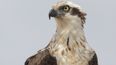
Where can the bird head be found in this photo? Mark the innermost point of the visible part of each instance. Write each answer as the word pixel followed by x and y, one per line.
pixel 67 12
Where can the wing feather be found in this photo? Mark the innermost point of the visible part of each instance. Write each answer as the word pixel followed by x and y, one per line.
pixel 94 60
pixel 41 58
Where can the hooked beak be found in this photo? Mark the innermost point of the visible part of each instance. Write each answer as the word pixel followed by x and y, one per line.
pixel 53 13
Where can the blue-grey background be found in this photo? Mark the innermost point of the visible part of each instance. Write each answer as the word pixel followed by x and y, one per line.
pixel 25 28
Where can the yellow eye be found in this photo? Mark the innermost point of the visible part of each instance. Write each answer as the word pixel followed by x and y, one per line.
pixel 66 8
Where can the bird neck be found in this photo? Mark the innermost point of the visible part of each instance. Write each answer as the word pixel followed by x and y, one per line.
pixel 69 34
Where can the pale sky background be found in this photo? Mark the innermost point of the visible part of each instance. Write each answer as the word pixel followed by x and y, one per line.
pixel 25 28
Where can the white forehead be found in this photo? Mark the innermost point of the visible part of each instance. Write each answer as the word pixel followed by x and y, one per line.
pixel 60 3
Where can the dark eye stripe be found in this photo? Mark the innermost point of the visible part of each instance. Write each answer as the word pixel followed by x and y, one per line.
pixel 77 12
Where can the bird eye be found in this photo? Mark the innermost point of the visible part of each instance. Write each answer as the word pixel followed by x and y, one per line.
pixel 66 8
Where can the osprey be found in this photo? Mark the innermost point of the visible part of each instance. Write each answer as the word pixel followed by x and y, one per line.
pixel 68 45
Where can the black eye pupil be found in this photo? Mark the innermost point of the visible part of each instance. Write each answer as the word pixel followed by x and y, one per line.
pixel 66 8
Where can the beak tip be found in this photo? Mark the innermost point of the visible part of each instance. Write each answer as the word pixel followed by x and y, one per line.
pixel 49 17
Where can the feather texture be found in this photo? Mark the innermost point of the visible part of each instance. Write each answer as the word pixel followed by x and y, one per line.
pixel 41 58
pixel 69 45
